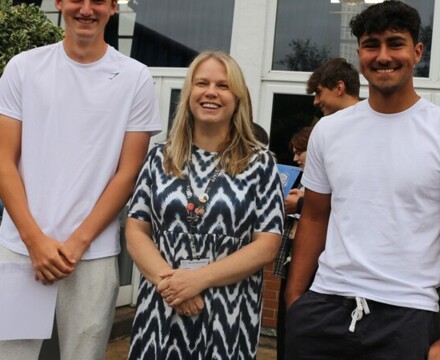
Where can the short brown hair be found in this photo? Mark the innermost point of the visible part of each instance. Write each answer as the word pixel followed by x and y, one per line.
pixel 300 139
pixel 328 75
pixel 388 15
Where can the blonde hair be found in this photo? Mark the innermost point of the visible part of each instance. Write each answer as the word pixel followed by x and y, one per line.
pixel 241 145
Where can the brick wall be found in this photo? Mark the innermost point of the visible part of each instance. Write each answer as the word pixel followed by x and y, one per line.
pixel 271 295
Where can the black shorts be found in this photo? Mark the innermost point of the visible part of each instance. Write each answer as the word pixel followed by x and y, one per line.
pixel 317 327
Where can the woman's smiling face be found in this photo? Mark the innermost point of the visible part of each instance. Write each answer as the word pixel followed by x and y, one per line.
pixel 211 100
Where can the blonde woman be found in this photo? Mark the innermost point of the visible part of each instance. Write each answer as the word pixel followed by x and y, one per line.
pixel 206 216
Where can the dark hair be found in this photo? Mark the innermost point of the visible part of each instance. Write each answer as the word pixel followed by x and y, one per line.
pixel 300 139
pixel 331 72
pixel 260 134
pixel 390 15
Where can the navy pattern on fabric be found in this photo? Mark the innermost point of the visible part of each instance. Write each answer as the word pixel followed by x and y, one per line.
pixel 228 327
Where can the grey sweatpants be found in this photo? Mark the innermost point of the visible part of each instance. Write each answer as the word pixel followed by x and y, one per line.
pixel 84 310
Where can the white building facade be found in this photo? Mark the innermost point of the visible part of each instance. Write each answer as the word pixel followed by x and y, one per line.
pixel 278 43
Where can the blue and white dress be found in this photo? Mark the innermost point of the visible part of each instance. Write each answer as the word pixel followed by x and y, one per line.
pixel 228 327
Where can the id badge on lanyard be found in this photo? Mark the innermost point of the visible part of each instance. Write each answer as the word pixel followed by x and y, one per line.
pixel 193 264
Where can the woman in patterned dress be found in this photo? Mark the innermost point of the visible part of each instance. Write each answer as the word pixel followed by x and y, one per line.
pixel 205 217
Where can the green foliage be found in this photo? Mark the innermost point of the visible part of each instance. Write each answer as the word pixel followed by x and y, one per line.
pixel 305 55
pixel 24 27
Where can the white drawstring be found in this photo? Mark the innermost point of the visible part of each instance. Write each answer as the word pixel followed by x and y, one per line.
pixel 358 313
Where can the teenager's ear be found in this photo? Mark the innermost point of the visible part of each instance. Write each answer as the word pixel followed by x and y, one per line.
pixel 340 86
pixel 114 6
pixel 418 51
pixel 58 5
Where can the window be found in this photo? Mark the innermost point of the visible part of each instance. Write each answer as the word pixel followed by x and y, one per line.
pixel 170 33
pixel 308 33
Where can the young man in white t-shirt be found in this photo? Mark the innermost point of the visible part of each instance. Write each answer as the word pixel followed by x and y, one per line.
pixel 75 123
pixel 335 85
pixel 371 211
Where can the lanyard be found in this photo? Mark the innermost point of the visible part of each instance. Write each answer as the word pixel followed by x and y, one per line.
pixel 196 207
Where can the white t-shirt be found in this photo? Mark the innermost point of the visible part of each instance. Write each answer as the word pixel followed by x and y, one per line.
pixel 383 172
pixel 74 119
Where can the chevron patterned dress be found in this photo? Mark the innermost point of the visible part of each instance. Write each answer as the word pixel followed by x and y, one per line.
pixel 229 325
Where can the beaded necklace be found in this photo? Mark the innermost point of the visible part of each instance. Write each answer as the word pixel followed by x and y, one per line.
pixel 196 206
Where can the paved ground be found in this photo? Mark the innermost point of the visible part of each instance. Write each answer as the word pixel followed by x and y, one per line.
pixel 117 349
